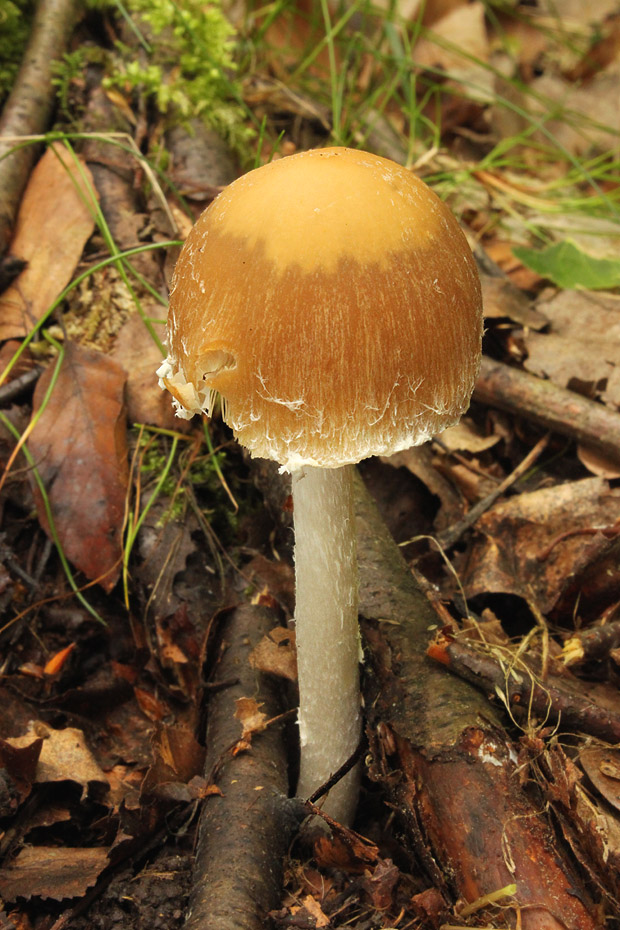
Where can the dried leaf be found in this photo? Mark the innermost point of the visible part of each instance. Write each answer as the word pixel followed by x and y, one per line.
pixel 56 663
pixel 314 909
pixel 548 545
pixel 250 715
pixel 345 849
pixel 278 577
pixel 140 357
pixel 150 706
pixel 581 350
pixel 602 766
pixel 52 872
pixel 79 446
pixel 466 437
pixel 501 299
pixel 420 461
pixel 461 50
pixel 19 765
pixel 275 654
pixel 380 885
pixel 64 756
pixel 52 228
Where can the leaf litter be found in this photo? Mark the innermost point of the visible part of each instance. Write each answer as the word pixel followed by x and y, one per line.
pixel 101 735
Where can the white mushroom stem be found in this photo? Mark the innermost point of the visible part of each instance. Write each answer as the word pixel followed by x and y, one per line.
pixel 327 633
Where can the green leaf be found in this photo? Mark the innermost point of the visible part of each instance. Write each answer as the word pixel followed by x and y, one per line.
pixel 567 266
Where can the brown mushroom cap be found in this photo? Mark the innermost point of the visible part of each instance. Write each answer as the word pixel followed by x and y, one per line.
pixel 332 300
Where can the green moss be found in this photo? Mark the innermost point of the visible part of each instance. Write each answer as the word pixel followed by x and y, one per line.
pixel 188 68
pixel 71 68
pixel 202 475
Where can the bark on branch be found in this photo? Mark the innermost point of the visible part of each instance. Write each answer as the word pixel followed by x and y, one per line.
pixel 30 104
pixel 552 407
pixel 244 833
pixel 443 755
pixel 550 701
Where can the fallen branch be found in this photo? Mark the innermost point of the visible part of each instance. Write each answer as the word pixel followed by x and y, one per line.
pixel 30 104
pixel 445 760
pixel 552 407
pixel 550 702
pixel 245 832
pixel 593 644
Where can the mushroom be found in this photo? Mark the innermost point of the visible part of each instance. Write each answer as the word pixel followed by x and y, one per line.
pixel 331 300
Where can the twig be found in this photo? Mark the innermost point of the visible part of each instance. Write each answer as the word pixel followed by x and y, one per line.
pixel 13 389
pixel 593 644
pixel 453 533
pixel 338 774
pixel 244 833
pixel 30 104
pixel 553 703
pixel 552 407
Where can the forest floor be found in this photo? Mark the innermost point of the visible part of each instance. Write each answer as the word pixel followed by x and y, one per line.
pixel 146 580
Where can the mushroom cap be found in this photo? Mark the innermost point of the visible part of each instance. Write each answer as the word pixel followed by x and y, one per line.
pixel 332 301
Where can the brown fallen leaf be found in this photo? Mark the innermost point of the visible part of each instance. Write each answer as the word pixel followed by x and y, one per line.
pixel 466 437
pixel 80 450
pixel 275 654
pixel 56 662
pixel 602 766
pixel 314 909
pixel 139 355
pixel 581 351
pixel 19 766
pixel 345 849
pixel 178 760
pixel 553 547
pixel 52 872
pixel 502 300
pixel 250 715
pixel 379 884
pixel 457 43
pixel 64 756
pixel 54 222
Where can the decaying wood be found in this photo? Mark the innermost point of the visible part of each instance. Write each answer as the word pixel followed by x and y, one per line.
pixel 552 407
pixel 30 103
pixel 445 759
pixel 551 701
pixel 245 832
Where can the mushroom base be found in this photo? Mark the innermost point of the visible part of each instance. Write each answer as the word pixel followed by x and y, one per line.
pixel 327 632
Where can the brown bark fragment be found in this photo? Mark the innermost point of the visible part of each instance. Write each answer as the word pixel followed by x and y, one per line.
pixel 244 833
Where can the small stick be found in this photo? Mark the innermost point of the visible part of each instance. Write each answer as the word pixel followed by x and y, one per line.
pixel 554 408
pixel 594 643
pixel 13 389
pixel 551 703
pixel 453 533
